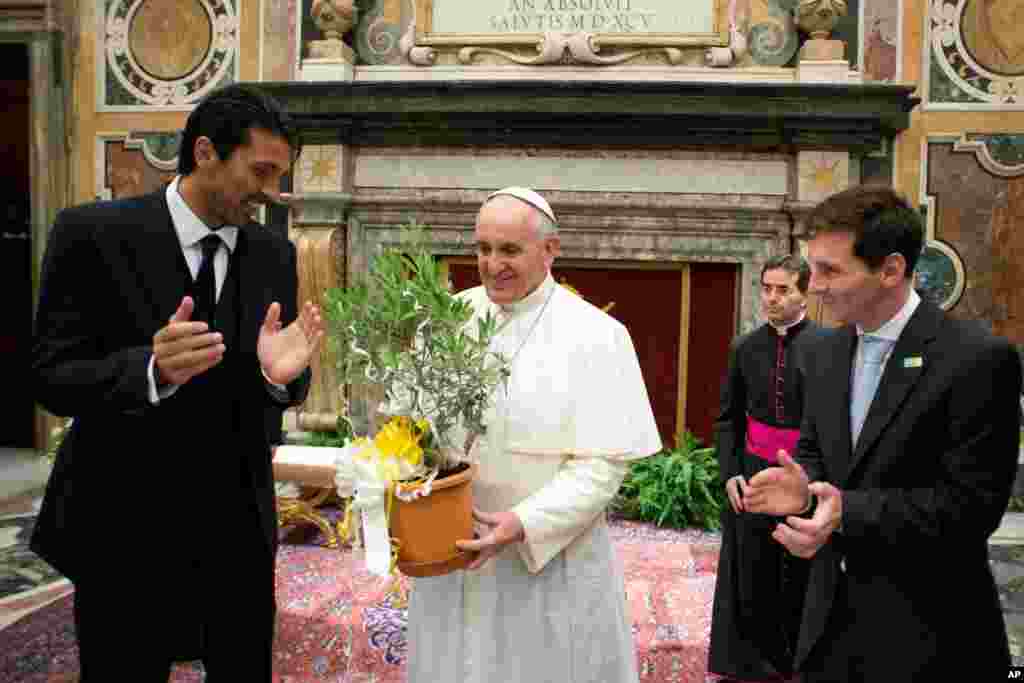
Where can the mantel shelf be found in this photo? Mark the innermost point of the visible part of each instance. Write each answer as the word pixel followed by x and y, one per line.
pixel 623 113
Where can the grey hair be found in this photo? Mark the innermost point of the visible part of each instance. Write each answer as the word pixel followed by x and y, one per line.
pixel 545 226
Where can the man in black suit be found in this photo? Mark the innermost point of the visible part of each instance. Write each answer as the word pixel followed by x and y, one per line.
pixel 759 594
pixel 167 327
pixel 909 447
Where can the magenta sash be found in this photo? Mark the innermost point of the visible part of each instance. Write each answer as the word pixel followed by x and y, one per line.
pixel 765 441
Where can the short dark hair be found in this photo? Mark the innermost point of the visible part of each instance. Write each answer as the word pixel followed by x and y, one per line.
pixel 881 221
pixel 794 264
pixel 226 116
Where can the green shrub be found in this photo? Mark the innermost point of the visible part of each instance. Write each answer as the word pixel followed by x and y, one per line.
pixel 336 438
pixel 678 487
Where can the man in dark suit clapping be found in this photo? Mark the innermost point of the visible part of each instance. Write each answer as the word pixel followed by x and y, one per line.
pixel 167 327
pixel 908 447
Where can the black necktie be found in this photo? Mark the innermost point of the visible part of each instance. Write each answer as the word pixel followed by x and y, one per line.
pixel 206 283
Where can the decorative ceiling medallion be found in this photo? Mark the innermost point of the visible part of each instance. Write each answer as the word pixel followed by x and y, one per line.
pixel 978 50
pixel 170 53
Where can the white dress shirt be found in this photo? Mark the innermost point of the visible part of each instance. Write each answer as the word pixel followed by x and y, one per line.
pixel 191 230
pixel 890 331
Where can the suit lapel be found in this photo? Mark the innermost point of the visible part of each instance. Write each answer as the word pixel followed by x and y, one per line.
pixel 247 259
pixel 907 363
pixel 842 373
pixel 158 260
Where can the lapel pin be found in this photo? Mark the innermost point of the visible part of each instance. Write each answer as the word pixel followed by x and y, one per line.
pixel 913 362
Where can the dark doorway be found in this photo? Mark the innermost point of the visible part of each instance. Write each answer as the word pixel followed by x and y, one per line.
pixel 15 244
pixel 712 328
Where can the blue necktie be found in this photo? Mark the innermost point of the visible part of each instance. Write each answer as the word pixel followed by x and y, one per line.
pixel 865 382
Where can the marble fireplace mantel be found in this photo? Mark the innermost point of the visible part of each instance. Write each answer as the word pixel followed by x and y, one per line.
pixel 853 116
pixel 648 173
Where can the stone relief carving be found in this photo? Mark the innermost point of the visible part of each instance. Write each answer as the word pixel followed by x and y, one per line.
pixel 416 54
pixel 570 48
pixel 761 32
pixel 819 17
pixel 378 40
pixel 334 18
pixel 536 37
pixel 727 56
pixel 770 27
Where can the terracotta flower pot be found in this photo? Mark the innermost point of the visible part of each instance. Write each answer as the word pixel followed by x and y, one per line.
pixel 427 528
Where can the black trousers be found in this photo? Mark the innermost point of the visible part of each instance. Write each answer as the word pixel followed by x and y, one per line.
pixel 860 645
pixel 220 610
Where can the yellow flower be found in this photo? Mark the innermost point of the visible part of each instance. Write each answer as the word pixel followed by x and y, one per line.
pixel 397 439
pixel 395 451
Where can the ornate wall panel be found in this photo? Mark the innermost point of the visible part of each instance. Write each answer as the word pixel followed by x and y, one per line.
pixel 975 196
pixel 165 54
pixel 975 56
pixel 135 163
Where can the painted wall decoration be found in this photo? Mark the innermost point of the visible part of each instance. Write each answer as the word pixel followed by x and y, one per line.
pixel 376 35
pixel 770 28
pixel 881 46
pixel 821 173
pixel 974 198
pixel 134 164
pixel 319 169
pixel 165 53
pixel 976 54
pixel 939 276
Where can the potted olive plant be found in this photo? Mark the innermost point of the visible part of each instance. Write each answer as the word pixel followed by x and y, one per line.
pixel 401 331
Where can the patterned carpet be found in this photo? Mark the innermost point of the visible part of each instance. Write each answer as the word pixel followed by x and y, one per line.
pixel 335 623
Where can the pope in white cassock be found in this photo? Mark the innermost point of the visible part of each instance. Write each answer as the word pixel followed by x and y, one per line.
pixel 544 599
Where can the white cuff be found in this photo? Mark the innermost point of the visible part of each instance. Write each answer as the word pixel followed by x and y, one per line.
pixel 156 396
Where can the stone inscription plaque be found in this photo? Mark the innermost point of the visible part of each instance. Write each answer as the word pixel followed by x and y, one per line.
pixel 623 22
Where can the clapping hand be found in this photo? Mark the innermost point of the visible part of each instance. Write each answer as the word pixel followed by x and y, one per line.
pixel 500 529
pixel 184 348
pixel 804 537
pixel 735 488
pixel 778 490
pixel 285 353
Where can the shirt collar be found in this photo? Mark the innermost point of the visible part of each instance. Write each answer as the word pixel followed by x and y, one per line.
pixel 190 228
pixel 781 330
pixel 894 327
pixel 532 300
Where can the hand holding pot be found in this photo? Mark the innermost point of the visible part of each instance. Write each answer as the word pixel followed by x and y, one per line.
pixel 501 529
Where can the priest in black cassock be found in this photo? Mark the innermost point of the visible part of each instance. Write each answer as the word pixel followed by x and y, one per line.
pixel 760 589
